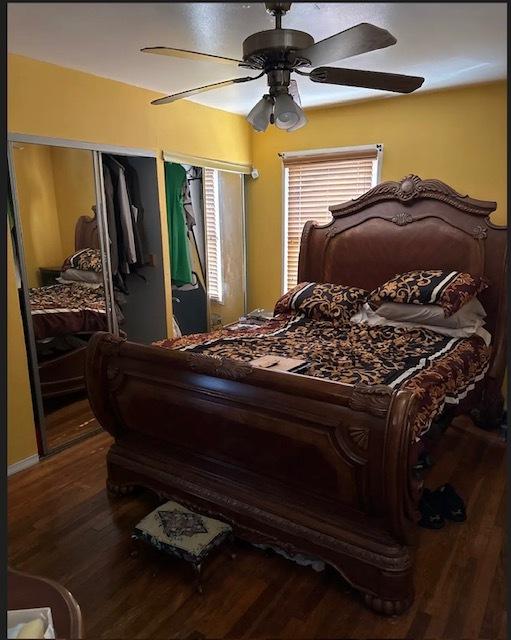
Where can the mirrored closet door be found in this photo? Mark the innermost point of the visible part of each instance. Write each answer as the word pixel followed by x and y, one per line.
pixel 86 236
pixel 206 222
pixel 58 249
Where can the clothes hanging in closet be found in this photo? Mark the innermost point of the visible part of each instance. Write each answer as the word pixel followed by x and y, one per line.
pixel 181 267
pixel 125 228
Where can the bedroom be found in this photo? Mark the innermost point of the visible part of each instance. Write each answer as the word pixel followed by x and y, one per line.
pixel 92 96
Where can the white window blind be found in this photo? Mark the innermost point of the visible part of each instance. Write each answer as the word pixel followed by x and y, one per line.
pixel 213 246
pixel 313 183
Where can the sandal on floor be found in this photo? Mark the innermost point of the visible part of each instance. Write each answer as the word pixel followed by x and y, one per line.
pixel 431 511
pixel 452 506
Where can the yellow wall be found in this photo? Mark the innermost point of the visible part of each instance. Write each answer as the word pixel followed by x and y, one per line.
pixel 48 100
pixel 458 136
pixel 73 175
pixel 38 209
pixel 21 442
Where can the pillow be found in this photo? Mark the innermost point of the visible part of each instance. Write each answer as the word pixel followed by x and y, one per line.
pixel 448 289
pixel 323 301
pixel 85 260
pixel 367 315
pixel 78 275
pixel 433 314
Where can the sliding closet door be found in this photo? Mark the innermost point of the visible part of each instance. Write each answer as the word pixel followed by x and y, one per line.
pixel 62 272
pixel 228 304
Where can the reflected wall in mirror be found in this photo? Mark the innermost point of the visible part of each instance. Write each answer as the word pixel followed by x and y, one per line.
pixel 60 260
pixel 205 211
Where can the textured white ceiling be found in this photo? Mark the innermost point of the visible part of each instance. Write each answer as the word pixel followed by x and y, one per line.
pixel 447 43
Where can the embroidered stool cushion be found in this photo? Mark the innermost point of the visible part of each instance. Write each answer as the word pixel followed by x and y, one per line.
pixel 175 529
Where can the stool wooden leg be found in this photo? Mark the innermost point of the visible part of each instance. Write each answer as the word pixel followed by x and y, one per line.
pixel 197 569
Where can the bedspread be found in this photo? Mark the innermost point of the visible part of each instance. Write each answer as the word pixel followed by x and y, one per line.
pixel 438 369
pixel 67 308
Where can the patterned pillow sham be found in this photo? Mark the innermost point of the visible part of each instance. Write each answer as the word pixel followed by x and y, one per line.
pixel 322 301
pixel 85 260
pixel 448 289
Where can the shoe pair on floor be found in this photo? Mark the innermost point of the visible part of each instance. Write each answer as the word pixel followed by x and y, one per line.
pixel 440 505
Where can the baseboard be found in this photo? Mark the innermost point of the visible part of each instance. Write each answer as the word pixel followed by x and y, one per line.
pixel 22 464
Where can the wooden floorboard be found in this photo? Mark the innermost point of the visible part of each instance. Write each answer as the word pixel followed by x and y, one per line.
pixel 63 525
pixel 68 420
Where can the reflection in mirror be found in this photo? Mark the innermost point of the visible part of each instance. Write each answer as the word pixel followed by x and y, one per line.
pixel 205 210
pixel 58 239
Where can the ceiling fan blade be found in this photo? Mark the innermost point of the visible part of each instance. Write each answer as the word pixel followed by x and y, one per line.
pixel 294 93
pixel 190 55
pixel 361 38
pixel 208 87
pixel 367 79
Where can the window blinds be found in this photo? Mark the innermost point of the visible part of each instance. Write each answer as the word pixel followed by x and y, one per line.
pixel 314 183
pixel 212 223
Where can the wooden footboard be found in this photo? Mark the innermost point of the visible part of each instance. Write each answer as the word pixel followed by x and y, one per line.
pixel 309 466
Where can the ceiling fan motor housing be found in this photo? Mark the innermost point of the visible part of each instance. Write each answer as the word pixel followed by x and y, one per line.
pixel 275 49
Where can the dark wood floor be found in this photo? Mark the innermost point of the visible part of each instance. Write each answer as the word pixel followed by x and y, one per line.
pixel 68 419
pixel 62 525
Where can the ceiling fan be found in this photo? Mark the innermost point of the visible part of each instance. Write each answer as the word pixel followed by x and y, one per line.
pixel 279 52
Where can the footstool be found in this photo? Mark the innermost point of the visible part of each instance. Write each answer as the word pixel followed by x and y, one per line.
pixel 179 532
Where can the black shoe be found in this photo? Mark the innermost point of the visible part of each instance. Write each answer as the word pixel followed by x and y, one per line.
pixel 431 511
pixel 452 506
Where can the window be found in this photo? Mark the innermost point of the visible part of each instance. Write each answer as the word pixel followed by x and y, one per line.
pixel 314 181
pixel 212 223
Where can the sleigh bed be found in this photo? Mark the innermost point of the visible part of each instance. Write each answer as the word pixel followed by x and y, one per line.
pixel 308 465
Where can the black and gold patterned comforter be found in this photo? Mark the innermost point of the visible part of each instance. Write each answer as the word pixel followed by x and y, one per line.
pixel 63 309
pixel 438 369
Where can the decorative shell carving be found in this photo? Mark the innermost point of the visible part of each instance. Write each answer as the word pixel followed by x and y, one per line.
pixel 402 218
pixel 360 436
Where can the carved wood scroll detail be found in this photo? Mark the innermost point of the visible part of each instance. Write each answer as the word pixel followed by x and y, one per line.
pixel 371 399
pixel 410 188
pixel 220 367
pixel 479 232
pixel 402 218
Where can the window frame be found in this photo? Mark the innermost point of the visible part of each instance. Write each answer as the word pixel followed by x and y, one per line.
pixel 376 179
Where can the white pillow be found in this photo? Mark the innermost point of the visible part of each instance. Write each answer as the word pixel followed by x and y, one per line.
pixel 79 275
pixel 432 314
pixel 366 314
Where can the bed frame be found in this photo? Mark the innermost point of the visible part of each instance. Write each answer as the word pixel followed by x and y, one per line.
pixel 65 374
pixel 306 465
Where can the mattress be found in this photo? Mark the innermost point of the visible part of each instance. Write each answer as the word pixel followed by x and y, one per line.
pixel 438 369
pixel 67 308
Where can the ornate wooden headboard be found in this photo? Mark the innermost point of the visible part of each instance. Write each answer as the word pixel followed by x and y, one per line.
pixel 86 232
pixel 402 226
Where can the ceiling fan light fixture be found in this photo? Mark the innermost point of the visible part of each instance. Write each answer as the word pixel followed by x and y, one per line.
pixel 302 121
pixel 260 114
pixel 286 111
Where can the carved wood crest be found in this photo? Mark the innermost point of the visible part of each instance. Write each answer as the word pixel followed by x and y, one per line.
pixel 410 188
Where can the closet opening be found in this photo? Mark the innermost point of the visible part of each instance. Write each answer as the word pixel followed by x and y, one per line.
pixel 206 222
pixel 135 246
